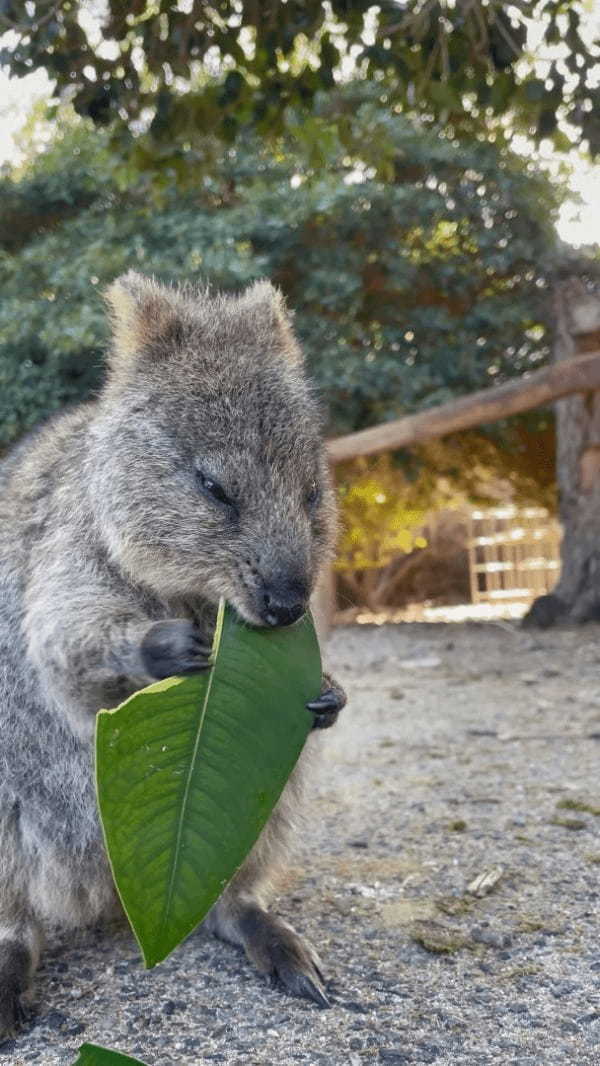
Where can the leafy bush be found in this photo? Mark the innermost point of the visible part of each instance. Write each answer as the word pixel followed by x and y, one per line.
pixel 416 265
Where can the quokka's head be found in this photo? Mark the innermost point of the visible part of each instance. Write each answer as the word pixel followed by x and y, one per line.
pixel 207 471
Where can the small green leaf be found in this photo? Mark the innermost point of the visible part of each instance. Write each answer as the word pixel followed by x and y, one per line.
pixel 189 770
pixel 92 1055
pixel 535 89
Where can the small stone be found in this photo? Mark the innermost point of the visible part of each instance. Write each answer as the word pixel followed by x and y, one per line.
pixel 221 1030
pixel 564 988
pixel 55 1019
pixel 428 1052
pixel 75 1030
pixel 355 1007
pixel 171 1005
pixel 493 938
pixel 485 882
pixel 518 1008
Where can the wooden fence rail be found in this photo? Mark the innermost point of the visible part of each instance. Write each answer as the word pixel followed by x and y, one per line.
pixel 540 387
pixel 533 390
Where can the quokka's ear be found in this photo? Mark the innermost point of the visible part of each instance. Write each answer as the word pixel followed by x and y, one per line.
pixel 144 317
pixel 264 304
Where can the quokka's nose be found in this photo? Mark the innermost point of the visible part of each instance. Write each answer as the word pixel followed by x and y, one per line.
pixel 277 614
pixel 284 604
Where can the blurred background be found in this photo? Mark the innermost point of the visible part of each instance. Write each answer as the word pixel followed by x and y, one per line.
pixel 418 178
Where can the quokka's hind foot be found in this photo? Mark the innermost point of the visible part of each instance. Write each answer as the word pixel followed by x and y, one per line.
pixel 275 949
pixel 16 965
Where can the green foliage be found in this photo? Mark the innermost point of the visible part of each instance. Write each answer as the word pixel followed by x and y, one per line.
pixel 189 770
pixel 417 266
pixel 173 69
pixel 92 1055
pixel 380 516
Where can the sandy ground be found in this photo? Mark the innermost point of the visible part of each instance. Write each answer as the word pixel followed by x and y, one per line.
pixel 465 750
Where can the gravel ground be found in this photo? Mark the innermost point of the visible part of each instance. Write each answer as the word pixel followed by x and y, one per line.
pixel 465 750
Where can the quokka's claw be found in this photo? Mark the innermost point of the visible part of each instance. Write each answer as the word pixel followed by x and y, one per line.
pixel 327 701
pixel 302 984
pixel 327 705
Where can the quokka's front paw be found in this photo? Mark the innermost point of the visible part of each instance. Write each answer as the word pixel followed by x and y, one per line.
pixel 328 705
pixel 173 647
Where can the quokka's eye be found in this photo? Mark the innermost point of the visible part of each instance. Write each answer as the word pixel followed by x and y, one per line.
pixel 211 488
pixel 312 496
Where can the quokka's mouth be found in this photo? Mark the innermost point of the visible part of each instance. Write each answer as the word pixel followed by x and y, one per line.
pixel 251 617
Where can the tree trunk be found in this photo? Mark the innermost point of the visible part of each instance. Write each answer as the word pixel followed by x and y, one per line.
pixel 576 597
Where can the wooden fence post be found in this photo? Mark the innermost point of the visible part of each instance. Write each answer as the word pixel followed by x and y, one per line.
pixel 576 597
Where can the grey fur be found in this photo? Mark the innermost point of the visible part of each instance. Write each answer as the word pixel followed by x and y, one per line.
pixel 104 533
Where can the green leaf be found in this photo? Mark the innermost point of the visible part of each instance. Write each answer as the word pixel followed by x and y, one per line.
pixel 92 1055
pixel 535 89
pixel 189 770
